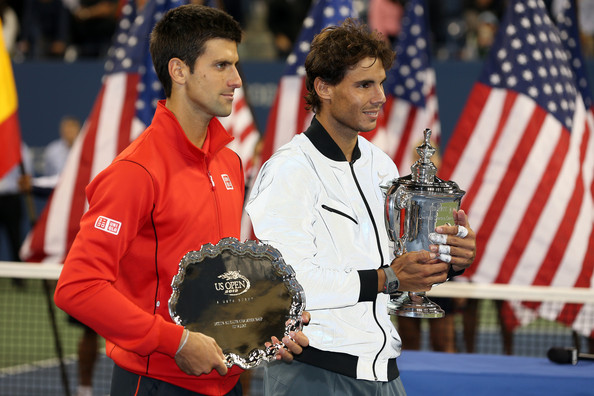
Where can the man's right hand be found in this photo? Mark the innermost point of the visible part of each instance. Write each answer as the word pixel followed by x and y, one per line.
pixel 200 355
pixel 419 271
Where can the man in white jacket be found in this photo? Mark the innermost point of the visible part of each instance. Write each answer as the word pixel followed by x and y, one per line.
pixel 318 200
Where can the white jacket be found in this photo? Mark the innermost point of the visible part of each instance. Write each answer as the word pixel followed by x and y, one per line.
pixel 325 215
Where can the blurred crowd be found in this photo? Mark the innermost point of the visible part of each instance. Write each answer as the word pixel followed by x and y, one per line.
pixel 75 29
pixel 58 29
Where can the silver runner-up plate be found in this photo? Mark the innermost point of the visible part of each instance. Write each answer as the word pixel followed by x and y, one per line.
pixel 241 294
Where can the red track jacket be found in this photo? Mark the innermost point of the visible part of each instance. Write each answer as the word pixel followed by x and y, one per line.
pixel 160 198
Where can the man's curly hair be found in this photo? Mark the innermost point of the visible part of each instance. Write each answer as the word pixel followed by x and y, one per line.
pixel 338 48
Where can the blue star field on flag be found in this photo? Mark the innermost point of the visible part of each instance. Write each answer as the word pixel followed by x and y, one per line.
pixel 406 78
pixel 568 29
pixel 530 59
pixel 322 14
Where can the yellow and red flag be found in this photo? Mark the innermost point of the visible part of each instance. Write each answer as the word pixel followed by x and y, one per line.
pixel 10 132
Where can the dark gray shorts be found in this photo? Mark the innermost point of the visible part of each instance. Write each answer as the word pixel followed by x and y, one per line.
pixel 125 383
pixel 299 379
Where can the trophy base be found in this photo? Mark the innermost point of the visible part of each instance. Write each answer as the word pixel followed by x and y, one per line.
pixel 414 305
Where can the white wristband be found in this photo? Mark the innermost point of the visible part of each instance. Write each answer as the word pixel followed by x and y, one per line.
pixel 184 342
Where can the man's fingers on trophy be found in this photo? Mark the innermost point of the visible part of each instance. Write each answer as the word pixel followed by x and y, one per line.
pixel 460 217
pixel 438 239
pixel 421 256
pixel 462 231
pixel 444 253
pixel 443 249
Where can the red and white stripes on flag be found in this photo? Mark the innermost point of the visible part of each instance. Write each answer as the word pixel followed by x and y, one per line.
pixel 523 150
pixel 411 96
pixel 242 126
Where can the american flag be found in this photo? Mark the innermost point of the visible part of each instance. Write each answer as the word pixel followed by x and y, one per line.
pixel 522 151
pixel 411 97
pixel 124 107
pixel 241 124
pixel 10 131
pixel 567 23
pixel 288 115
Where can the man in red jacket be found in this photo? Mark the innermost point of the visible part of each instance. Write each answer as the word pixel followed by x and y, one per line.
pixel 175 188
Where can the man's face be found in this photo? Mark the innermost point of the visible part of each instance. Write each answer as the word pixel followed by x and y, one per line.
pixel 69 130
pixel 356 101
pixel 210 87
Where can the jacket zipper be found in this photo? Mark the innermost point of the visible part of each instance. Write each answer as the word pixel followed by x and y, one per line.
pixel 377 238
pixel 214 195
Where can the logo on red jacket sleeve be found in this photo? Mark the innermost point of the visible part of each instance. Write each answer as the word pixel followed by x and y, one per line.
pixel 108 225
pixel 227 180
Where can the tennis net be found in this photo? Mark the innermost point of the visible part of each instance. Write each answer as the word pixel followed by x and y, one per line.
pixel 38 342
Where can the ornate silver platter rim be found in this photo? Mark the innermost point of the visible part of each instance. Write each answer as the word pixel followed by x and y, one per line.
pixel 284 271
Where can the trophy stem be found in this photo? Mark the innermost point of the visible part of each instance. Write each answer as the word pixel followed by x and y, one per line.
pixel 414 305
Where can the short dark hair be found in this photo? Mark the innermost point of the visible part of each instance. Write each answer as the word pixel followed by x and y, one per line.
pixel 182 33
pixel 338 48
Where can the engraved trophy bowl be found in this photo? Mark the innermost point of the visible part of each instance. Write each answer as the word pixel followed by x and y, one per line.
pixel 241 294
pixel 416 204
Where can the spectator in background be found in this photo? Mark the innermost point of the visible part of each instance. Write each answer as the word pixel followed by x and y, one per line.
pixel 13 186
pixel 235 8
pixel 442 331
pixel 87 357
pixel 285 18
pixel 447 30
pixel 57 151
pixel 93 25
pixel 45 29
pixel 481 20
pixel 10 26
pixel 497 7
pixel 385 17
pixel 54 156
pixel 586 25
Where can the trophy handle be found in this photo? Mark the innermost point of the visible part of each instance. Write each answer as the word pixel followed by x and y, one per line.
pixel 401 217
pixel 398 203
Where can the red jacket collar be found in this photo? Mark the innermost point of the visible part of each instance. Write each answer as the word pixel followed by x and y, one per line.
pixel 217 136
